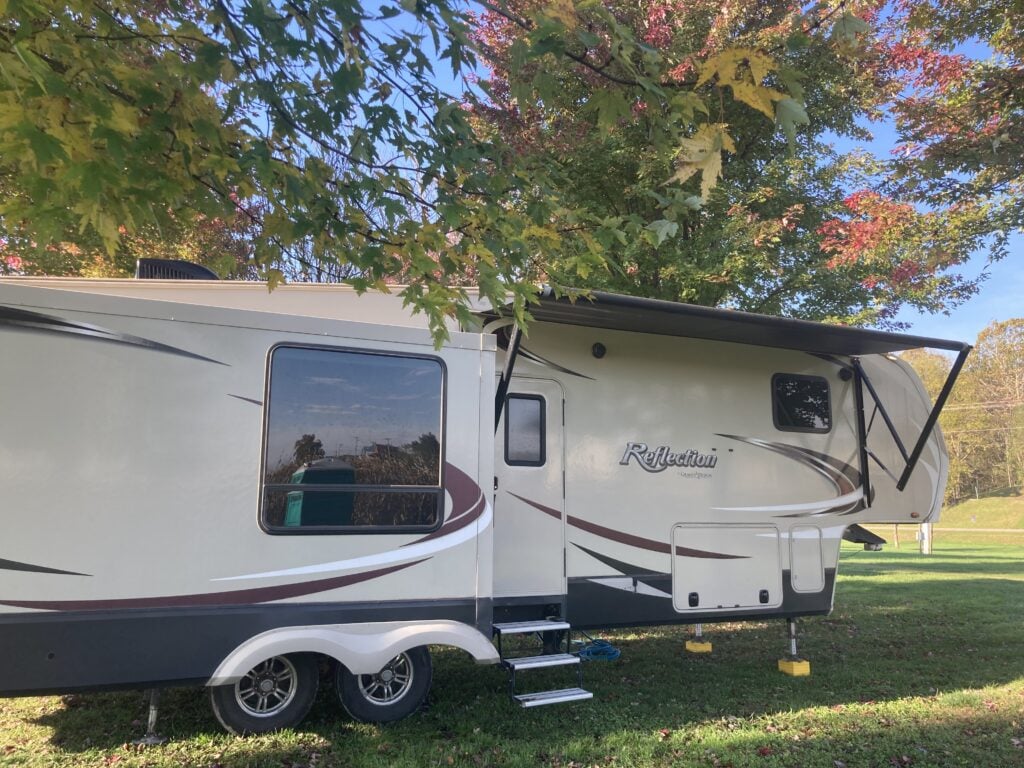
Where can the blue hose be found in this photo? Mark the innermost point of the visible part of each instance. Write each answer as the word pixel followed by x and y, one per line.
pixel 599 650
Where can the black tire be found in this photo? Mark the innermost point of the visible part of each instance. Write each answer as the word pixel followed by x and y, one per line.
pixel 284 687
pixel 397 691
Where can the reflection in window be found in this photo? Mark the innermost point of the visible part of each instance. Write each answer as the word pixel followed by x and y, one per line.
pixel 369 423
pixel 314 508
pixel 801 403
pixel 524 430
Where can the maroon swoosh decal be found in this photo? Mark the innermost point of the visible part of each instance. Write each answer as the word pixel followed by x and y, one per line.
pixel 546 510
pixel 628 538
pixel 468 503
pixel 238 597
pixel 464 491
pixel 454 523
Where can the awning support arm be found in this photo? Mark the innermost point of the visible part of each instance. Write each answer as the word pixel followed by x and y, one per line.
pixel 912 458
pixel 862 376
pixel 862 433
pixel 933 417
pixel 515 336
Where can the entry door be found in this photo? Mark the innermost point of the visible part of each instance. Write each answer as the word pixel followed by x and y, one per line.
pixel 529 501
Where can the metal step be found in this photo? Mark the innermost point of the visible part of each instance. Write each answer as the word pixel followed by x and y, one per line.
pixel 542 698
pixel 536 662
pixel 522 627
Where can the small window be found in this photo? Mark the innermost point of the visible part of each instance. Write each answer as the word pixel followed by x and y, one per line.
pixel 524 431
pixel 353 442
pixel 801 403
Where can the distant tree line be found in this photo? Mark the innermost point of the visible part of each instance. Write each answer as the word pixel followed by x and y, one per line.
pixel 983 421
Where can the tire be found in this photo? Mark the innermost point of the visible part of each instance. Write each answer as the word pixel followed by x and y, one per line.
pixel 398 690
pixel 275 694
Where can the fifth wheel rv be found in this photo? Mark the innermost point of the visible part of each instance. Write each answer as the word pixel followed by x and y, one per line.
pixel 252 483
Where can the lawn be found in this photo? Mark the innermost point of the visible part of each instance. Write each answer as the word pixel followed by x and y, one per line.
pixel 921 664
pixel 990 512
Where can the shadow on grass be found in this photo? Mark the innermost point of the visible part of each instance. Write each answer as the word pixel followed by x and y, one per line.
pixel 889 639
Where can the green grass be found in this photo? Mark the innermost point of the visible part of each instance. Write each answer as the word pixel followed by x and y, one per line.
pixel 990 512
pixel 921 664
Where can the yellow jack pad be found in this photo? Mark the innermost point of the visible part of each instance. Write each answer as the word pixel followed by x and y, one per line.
pixel 795 667
pixel 698 646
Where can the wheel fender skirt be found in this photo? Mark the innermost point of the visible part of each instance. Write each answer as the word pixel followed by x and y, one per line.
pixel 362 648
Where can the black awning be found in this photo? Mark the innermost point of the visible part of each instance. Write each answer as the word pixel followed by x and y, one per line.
pixel 668 318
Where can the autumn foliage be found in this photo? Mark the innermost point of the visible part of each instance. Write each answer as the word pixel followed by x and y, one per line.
pixel 680 150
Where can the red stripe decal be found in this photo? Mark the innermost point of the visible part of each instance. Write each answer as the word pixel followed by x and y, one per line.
pixel 468 503
pixel 238 597
pixel 628 538
pixel 464 491
pixel 454 523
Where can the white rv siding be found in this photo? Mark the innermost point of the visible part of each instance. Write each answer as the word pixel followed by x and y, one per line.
pixel 141 468
pixel 747 484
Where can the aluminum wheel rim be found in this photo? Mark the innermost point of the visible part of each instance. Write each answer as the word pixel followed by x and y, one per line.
pixel 391 684
pixel 268 688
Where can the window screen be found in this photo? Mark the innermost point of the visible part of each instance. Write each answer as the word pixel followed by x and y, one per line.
pixel 801 403
pixel 353 441
pixel 524 430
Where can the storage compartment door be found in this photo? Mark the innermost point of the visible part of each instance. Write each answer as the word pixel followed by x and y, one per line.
pixel 806 568
pixel 725 567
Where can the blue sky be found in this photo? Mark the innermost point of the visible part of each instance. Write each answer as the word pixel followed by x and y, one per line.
pixel 1001 295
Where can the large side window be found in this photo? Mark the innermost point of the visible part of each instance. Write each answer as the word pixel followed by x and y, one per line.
pixel 524 431
pixel 353 442
pixel 801 403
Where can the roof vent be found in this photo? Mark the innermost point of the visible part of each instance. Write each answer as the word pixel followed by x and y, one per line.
pixel 172 269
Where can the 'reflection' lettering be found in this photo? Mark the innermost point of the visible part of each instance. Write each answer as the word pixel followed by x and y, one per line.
pixel 661 458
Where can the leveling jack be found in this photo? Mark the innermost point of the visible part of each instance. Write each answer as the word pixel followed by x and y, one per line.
pixel 151 739
pixel 698 644
pixel 793 665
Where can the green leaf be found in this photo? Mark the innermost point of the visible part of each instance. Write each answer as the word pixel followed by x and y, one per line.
pixel 610 107
pixel 45 147
pixel 662 230
pixel 797 41
pixel 588 38
pixel 789 113
pixel 848 26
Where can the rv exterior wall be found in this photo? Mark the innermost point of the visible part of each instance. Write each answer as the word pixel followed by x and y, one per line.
pixel 329 301
pixel 664 480
pixel 685 497
pixel 138 554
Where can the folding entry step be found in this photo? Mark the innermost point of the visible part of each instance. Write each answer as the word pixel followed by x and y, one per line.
pixel 560 696
pixel 525 627
pixel 545 660
pixel 537 662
